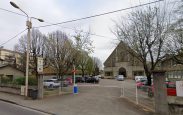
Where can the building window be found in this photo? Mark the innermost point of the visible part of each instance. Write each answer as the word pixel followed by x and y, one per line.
pixel 108 73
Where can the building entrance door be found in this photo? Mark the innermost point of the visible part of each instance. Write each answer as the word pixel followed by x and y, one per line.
pixel 122 71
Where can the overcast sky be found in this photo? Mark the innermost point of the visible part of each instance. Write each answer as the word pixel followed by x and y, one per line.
pixel 54 11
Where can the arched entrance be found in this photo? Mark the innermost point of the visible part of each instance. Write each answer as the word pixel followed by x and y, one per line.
pixel 122 71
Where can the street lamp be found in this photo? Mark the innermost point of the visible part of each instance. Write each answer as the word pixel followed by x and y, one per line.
pixel 29 26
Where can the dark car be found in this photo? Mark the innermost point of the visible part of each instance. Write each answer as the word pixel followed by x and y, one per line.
pixel 92 79
pixel 79 79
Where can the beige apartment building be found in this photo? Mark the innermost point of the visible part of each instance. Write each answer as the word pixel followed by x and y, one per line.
pixel 9 56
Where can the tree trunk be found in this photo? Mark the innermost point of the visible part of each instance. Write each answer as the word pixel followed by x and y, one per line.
pixel 83 72
pixel 149 80
pixel 160 93
pixel 148 74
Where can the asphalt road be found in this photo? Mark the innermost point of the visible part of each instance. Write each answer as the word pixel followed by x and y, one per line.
pixel 12 109
pixel 129 91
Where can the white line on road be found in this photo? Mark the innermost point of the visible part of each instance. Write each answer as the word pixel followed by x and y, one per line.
pixel 93 85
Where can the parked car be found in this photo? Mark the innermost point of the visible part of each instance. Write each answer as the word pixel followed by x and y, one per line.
pixel 69 80
pixel 140 78
pixel 64 83
pixel 170 87
pixel 79 79
pixel 120 77
pixel 92 79
pixel 99 76
pixel 51 83
pixel 142 83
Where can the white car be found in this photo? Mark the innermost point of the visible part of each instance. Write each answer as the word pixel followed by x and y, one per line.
pixel 120 77
pixel 51 83
pixel 140 78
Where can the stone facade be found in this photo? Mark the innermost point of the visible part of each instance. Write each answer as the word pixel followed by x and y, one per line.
pixel 121 62
pixel 173 70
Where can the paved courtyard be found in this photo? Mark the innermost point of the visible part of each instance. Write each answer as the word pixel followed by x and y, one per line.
pixel 93 99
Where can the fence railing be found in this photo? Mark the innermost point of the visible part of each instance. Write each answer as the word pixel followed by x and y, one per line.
pixel 138 95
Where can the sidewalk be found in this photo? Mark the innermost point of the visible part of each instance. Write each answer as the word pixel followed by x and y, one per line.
pixel 50 105
pixel 87 102
pixel 29 103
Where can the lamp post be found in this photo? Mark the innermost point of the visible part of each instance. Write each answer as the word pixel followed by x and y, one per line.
pixel 29 26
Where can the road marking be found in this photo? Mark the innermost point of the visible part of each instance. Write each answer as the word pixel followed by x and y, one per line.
pixel 109 86
pixel 97 85
pixel 92 85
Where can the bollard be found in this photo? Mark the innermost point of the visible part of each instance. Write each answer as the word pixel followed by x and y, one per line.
pixel 75 89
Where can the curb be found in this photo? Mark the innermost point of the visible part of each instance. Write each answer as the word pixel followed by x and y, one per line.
pixel 12 102
pixel 139 105
pixel 8 101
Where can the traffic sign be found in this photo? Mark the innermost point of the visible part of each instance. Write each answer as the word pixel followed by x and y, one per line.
pixel 39 64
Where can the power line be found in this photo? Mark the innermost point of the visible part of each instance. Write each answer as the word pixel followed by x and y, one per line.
pixel 97 15
pixel 13 37
pixel 81 31
pixel 12 12
pixel 52 23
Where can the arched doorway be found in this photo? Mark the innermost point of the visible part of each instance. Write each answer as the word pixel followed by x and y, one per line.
pixel 122 71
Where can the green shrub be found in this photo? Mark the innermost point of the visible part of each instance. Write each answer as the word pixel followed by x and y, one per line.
pixel 32 81
pixel 5 80
pixel 21 81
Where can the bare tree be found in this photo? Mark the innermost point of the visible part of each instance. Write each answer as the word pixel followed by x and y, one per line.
pixel 36 49
pixel 90 66
pixel 175 43
pixel 145 33
pixel 59 52
pixel 97 65
pixel 84 47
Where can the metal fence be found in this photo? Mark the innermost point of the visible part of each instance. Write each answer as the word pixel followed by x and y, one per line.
pixel 138 95
pixel 52 91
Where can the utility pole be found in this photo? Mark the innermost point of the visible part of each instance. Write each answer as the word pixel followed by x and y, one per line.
pixel 29 26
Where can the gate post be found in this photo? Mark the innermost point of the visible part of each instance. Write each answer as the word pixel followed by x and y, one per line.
pixel 160 93
pixel 40 87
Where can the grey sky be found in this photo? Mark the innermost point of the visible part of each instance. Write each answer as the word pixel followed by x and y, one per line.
pixel 54 11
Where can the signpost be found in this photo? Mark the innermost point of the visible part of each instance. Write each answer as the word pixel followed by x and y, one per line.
pixel 40 77
pixel 39 64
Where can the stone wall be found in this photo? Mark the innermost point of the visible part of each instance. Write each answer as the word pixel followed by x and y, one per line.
pixel 175 105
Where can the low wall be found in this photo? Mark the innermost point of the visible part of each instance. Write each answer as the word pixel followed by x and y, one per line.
pixel 175 105
pixel 12 90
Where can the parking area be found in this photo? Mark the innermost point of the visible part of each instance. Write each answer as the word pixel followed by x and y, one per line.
pixel 111 88
pixel 92 99
pixel 108 88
